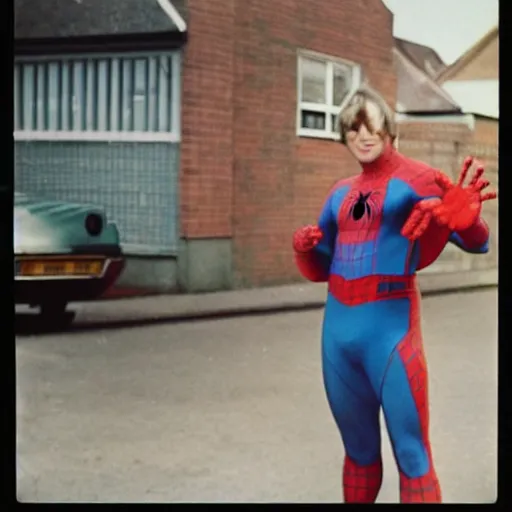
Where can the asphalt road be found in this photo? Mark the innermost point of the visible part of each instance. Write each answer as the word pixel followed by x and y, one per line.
pixel 234 410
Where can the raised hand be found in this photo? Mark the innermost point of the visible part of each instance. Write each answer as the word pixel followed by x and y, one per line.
pixel 306 238
pixel 458 208
pixel 419 219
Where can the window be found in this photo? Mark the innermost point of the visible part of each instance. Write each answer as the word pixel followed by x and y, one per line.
pixel 325 85
pixel 127 97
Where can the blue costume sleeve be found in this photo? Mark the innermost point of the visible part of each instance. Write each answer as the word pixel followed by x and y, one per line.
pixel 327 223
pixel 467 246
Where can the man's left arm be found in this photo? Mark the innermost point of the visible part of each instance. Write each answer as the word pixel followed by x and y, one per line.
pixel 474 239
pixel 449 212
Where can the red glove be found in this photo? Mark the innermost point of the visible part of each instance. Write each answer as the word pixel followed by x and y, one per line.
pixel 459 207
pixel 306 238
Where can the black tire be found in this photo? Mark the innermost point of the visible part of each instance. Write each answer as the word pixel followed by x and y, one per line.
pixel 54 314
pixel 51 309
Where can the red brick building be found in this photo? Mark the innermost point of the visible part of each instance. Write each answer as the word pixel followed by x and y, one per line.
pixel 248 176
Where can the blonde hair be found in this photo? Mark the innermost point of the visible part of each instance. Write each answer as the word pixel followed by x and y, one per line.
pixel 354 113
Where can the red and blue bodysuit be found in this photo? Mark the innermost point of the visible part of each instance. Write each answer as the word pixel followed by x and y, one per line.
pixel 372 351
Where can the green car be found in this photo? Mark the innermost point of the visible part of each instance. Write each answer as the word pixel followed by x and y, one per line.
pixel 63 252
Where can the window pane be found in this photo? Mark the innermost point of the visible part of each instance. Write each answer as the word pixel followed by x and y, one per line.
pixel 342 83
pixel 139 96
pixel 152 95
pixel 127 96
pixel 54 95
pixel 334 121
pixel 78 100
pixel 103 86
pixel 313 120
pixel 164 91
pixel 115 95
pixel 65 95
pixel 40 97
pixel 28 96
pixel 313 80
pixel 91 95
pixel 170 92
pixel 94 94
pixel 17 89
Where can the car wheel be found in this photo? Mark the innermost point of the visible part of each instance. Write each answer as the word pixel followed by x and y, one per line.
pixel 55 314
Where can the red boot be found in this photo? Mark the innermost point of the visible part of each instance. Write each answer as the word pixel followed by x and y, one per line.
pixel 361 484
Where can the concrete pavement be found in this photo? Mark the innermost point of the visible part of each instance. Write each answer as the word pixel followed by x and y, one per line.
pixel 136 310
pixel 233 410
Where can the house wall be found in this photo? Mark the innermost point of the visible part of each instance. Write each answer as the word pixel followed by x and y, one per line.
pixel 486 131
pixel 207 149
pixel 247 180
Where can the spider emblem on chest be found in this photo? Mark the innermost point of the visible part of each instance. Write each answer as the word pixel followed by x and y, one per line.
pixel 362 206
pixel 361 214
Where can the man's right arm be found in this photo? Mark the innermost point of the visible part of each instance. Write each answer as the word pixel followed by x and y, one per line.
pixel 314 245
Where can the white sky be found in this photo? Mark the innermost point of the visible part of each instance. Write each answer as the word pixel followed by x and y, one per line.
pixel 448 26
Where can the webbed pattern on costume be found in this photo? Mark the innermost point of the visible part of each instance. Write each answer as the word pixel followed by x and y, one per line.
pixel 361 484
pixel 420 178
pixel 370 217
pixel 363 217
pixel 385 204
pixel 359 218
pixel 424 488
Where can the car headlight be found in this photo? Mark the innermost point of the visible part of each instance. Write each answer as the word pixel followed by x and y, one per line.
pixel 94 224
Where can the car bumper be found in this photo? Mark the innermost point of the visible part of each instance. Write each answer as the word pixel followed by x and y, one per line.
pixel 37 290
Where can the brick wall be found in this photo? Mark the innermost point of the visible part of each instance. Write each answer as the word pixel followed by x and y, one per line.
pixel 206 178
pixel 486 132
pixel 280 180
pixel 244 172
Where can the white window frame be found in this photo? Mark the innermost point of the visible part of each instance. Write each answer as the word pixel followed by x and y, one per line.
pixel 328 109
pixel 114 136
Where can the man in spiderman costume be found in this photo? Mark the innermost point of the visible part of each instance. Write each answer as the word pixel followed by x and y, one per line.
pixel 375 231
